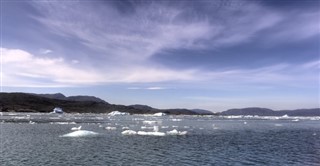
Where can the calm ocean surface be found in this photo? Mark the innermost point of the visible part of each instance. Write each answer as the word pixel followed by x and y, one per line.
pixel 38 139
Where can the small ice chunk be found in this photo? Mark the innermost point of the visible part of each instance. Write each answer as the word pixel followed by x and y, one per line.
pixel 149 122
pixel 176 132
pixel 129 132
pixel 176 120
pixel 76 128
pixel 155 128
pixel 125 128
pixel 110 128
pixel 81 133
pixel 151 133
pixel 145 127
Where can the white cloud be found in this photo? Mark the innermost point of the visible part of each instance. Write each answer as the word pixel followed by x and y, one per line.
pixel 129 41
pixel 45 51
pixel 74 61
pixel 20 68
pixel 148 88
pixel 156 88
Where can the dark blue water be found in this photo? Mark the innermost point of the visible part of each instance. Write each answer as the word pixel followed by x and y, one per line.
pixel 210 140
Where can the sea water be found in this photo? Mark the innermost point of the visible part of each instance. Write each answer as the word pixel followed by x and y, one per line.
pixel 47 139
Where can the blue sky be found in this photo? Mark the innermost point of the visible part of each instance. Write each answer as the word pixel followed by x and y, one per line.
pixel 206 54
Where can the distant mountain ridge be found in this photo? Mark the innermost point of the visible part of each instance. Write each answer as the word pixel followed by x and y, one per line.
pixel 30 102
pixel 268 112
pixel 172 111
pixel 60 96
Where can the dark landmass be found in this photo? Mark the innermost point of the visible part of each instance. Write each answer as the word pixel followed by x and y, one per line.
pixel 27 102
pixel 177 111
pixel 60 96
pixel 268 112
pixel 201 111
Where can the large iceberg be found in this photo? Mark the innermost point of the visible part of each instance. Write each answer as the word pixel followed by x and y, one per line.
pixel 114 113
pixel 159 114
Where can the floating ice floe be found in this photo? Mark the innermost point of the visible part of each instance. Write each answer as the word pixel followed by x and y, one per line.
pixel 110 128
pixel 115 113
pixel 159 114
pixel 143 133
pixel 125 128
pixel 176 120
pixel 129 132
pixel 76 128
pixel 146 127
pixel 155 128
pixel 57 110
pixel 155 132
pixel 152 133
pixel 81 133
pixel 30 122
pixel 149 122
pixel 176 132
pixel 62 123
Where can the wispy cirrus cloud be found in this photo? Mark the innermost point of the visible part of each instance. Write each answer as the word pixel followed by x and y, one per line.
pixel 122 42
pixel 148 88
pixel 21 68
pixel 131 38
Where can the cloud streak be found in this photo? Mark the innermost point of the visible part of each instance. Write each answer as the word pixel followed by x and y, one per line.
pixel 21 68
pixel 124 40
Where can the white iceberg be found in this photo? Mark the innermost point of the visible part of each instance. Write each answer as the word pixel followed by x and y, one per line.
pixel 145 127
pixel 57 110
pixel 129 132
pixel 149 122
pixel 115 113
pixel 159 114
pixel 176 132
pixel 76 128
pixel 152 133
pixel 111 128
pixel 81 133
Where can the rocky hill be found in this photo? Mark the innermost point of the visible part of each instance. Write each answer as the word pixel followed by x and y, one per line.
pixel 26 102
pixel 175 111
pixel 268 112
